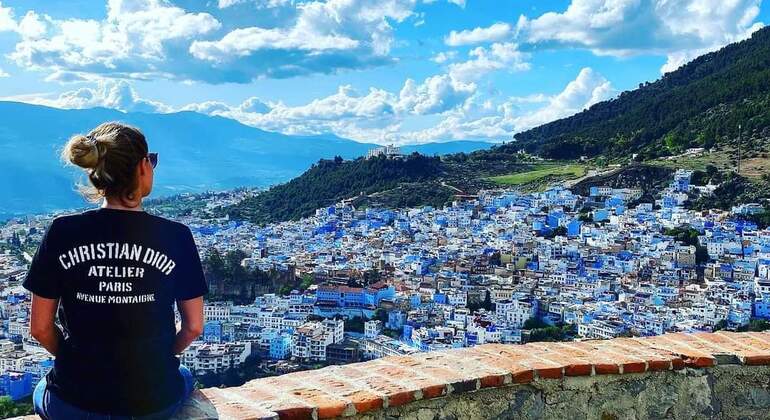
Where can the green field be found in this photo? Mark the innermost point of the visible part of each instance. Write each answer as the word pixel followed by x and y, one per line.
pixel 558 171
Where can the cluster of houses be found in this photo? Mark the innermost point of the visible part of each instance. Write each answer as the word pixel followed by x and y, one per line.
pixel 483 270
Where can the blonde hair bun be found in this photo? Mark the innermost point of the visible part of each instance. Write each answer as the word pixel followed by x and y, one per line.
pixel 82 151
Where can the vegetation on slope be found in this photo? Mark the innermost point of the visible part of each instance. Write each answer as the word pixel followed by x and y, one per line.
pixel 551 170
pixel 330 181
pixel 415 180
pixel 698 105
pixel 650 179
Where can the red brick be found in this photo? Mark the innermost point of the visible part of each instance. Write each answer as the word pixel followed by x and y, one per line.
pixel 523 377
pixel 578 369
pixel 492 381
pixel 606 369
pixel 677 363
pixel 274 394
pixel 550 373
pixel 421 378
pixel 756 360
pixel 400 398
pixel 634 367
pixel 699 362
pixel 518 372
pixel 575 361
pixel 543 367
pixel 468 364
pixel 394 393
pixel 434 391
pixel 328 406
pixel 658 365
pixel 364 401
pixel 618 355
pixel 295 413
pixel 226 407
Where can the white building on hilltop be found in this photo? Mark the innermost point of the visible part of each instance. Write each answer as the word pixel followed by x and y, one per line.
pixel 389 151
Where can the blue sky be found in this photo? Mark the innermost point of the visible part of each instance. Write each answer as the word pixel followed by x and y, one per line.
pixel 385 71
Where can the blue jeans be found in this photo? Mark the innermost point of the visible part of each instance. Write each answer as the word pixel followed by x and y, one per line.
pixel 50 407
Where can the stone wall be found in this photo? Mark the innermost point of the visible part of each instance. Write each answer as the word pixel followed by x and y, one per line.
pixel 724 392
pixel 721 375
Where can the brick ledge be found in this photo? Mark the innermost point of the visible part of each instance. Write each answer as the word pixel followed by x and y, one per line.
pixel 338 391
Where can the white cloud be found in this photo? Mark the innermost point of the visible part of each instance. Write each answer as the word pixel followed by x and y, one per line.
pixel 444 56
pixel 261 4
pixel 681 29
pixel 452 110
pixel 244 42
pixel 65 77
pixel 136 39
pixel 587 89
pixel 7 22
pixel 499 56
pixel 460 3
pixel 323 37
pixel 496 32
pixel 108 94
pixel 486 121
pixel 435 95
pixel 150 39
pixel 380 116
pixel 32 26
pixel 4 74
pixel 373 116
pixel 319 37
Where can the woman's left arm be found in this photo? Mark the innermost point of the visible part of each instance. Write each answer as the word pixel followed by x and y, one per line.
pixel 42 324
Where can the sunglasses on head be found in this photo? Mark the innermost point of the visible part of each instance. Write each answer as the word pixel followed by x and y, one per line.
pixel 153 158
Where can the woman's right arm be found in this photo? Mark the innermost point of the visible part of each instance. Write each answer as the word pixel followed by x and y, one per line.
pixel 191 286
pixel 191 311
pixel 42 324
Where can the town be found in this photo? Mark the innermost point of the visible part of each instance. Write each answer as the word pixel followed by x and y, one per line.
pixel 504 266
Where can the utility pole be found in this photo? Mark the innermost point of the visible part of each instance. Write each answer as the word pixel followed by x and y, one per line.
pixel 740 154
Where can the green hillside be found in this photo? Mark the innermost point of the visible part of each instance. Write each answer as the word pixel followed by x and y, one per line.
pixel 414 180
pixel 698 105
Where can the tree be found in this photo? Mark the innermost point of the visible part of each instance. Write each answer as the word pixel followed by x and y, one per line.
pixel 9 408
pixel 307 281
pixel 487 301
pixel 381 314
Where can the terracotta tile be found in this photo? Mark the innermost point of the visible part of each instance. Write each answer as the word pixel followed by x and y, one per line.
pixel 327 405
pixel 427 380
pixel 231 406
pixel 394 393
pixel 544 368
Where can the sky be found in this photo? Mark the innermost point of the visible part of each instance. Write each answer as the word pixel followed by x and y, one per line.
pixel 381 71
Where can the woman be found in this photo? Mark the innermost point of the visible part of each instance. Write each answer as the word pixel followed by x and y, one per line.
pixel 113 273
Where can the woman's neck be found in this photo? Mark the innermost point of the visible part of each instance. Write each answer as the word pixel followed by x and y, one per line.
pixel 110 204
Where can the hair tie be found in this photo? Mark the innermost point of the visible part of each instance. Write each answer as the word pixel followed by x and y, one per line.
pixel 91 140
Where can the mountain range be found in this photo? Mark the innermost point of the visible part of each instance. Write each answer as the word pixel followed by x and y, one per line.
pixel 196 153
pixel 699 105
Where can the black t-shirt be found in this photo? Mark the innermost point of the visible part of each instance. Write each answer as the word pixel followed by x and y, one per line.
pixel 117 274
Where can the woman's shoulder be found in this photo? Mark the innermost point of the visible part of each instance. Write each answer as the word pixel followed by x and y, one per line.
pixel 172 224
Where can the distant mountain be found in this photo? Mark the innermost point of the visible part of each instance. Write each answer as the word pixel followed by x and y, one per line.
pixel 197 153
pixel 698 105
pixel 459 146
